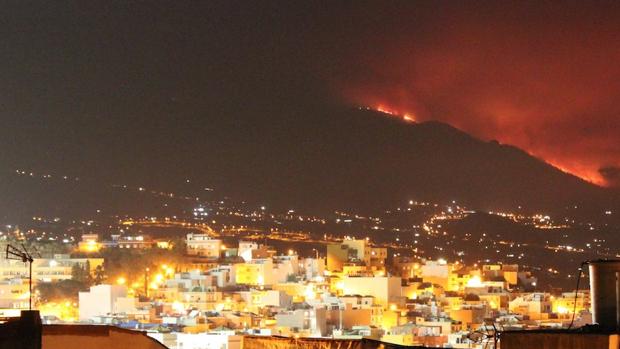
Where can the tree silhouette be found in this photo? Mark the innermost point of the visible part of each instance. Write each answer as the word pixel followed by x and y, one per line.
pixel 99 275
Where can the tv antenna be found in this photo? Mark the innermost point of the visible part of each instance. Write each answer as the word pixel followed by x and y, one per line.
pixel 23 255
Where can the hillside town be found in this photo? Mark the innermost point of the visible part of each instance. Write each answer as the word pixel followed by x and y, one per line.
pixel 215 294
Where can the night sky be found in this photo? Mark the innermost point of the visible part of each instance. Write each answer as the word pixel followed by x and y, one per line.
pixel 156 92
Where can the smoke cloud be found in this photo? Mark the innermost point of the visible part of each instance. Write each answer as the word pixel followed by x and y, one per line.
pixel 541 76
pixel 611 174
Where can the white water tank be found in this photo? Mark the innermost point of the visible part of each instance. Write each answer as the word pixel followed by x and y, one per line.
pixel 605 293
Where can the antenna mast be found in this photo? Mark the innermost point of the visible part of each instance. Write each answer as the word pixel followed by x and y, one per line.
pixel 15 253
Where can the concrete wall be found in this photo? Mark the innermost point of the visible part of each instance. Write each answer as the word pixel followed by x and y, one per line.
pixel 95 337
pixel 257 342
pixel 350 318
pixel 337 255
pixel 557 340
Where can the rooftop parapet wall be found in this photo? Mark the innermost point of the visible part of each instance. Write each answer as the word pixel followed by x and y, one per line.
pixel 273 342
pixel 558 340
pixel 96 337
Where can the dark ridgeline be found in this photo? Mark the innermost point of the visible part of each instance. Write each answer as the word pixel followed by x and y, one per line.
pixel 375 162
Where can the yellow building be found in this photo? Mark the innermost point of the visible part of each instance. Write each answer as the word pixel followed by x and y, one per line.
pixel 453 302
pixel 390 318
pixel 459 279
pixel 495 301
pixel 469 317
pixel 354 269
pixel 258 272
pixel 535 305
pixel 406 268
pixel 565 304
pixel 294 289
pixel 399 339
pixel 89 243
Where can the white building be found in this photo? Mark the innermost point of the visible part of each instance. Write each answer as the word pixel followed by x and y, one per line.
pixel 245 249
pixel 258 272
pixel 313 268
pixel 265 298
pixel 203 245
pixel 310 322
pixel 385 289
pixel 436 272
pixel 223 276
pixel 536 305
pixel 209 340
pixel 100 300
pixel 285 266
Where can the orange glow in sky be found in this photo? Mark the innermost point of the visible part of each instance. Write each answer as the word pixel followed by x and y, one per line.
pixel 549 88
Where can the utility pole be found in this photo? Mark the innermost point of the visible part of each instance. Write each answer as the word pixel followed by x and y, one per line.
pixel 30 284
